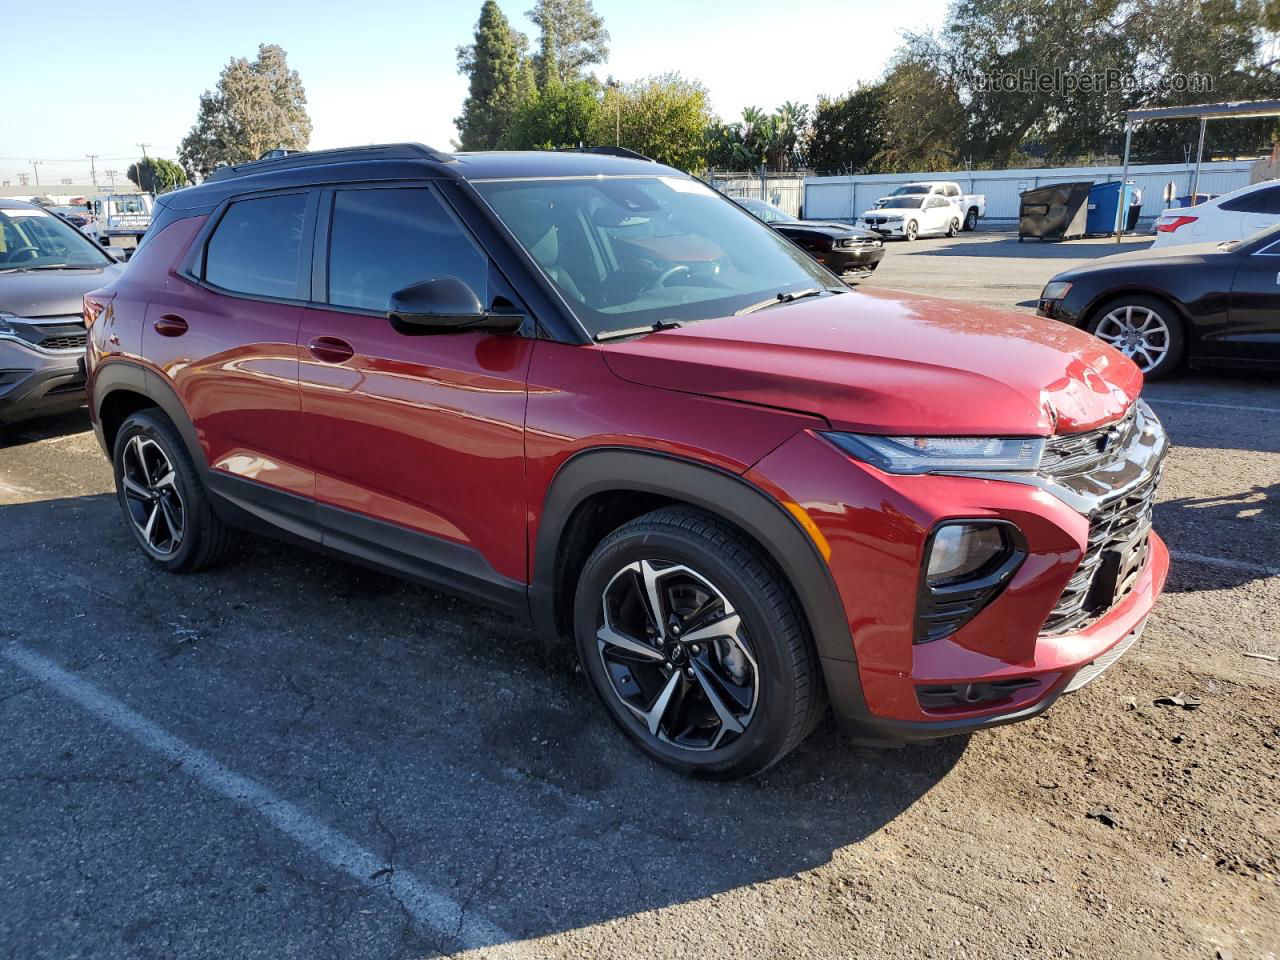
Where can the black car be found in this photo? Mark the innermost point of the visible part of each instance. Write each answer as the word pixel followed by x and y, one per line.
pixel 843 249
pixel 1210 304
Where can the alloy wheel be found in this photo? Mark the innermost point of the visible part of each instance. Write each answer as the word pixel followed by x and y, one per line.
pixel 151 495
pixel 677 655
pixel 1138 332
pixel 912 230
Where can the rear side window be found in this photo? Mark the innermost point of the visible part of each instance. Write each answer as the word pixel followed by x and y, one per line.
pixel 382 241
pixel 256 247
pixel 1257 201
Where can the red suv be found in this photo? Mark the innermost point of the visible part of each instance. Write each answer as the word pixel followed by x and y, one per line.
pixel 594 393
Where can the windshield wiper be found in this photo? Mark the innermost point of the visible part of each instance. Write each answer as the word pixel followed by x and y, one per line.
pixel 45 266
pixel 782 298
pixel 636 331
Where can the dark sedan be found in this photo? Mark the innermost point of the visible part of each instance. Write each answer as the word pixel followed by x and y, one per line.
pixel 1208 304
pixel 845 250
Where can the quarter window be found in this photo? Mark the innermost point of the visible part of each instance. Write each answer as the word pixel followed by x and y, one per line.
pixel 256 246
pixel 1256 201
pixel 382 241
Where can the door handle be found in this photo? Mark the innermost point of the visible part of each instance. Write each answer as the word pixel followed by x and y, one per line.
pixel 330 349
pixel 170 325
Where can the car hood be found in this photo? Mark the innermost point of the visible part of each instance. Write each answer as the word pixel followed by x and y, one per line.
pixel 892 363
pixel 52 293
pixel 1186 254
pixel 894 211
pixel 832 228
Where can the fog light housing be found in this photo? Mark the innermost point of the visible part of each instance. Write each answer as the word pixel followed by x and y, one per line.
pixel 967 563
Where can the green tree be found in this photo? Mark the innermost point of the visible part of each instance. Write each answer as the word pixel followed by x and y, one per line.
pixel 663 117
pixel 493 63
pixel 924 119
pixel 258 105
pixel 157 175
pixel 848 132
pixel 578 34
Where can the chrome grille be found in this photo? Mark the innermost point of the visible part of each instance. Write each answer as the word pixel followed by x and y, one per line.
pixel 52 333
pixel 1077 453
pixel 1119 532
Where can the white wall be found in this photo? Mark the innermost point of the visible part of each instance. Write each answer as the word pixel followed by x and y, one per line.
pixel 843 198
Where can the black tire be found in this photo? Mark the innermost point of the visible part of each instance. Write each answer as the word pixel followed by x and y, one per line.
pixel 953 228
pixel 790 696
pixel 971 220
pixel 203 539
pixel 1176 340
pixel 911 230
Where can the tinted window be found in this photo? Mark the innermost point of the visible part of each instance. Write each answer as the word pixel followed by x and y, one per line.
pixel 952 190
pixel 1256 201
pixel 384 240
pixel 256 245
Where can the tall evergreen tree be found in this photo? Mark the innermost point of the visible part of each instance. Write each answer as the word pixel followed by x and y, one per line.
pixel 580 38
pixel 494 65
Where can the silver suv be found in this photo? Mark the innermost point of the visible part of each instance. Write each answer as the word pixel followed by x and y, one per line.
pixel 46 267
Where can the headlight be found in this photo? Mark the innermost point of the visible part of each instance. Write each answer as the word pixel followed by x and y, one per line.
pixel 1055 290
pixel 942 454
pixel 960 550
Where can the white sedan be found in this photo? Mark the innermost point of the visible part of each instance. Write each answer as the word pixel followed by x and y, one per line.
pixel 914 216
pixel 1232 216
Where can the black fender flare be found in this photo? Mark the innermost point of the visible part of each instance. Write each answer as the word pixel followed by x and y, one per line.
pixel 135 378
pixel 718 492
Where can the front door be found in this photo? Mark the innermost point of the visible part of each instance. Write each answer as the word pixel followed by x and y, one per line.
pixel 417 440
pixel 1253 312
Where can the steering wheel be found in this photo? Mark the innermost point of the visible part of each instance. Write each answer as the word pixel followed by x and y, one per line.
pixel 33 253
pixel 666 275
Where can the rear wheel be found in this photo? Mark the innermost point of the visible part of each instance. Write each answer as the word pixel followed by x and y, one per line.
pixel 161 497
pixel 912 230
pixel 695 646
pixel 971 219
pixel 1144 329
pixel 953 228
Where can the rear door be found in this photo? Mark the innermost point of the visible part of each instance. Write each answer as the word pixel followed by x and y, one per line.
pixel 1253 320
pixel 417 440
pixel 224 335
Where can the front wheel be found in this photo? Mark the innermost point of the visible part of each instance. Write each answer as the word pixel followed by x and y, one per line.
pixel 695 646
pixel 912 230
pixel 1145 330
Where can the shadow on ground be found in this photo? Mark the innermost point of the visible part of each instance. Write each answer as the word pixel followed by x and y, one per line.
pixel 436 733
pixel 42 428
pixel 1006 245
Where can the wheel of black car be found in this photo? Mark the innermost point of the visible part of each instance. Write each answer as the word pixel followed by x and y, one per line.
pixel 953 228
pixel 1145 329
pixel 163 501
pixel 971 220
pixel 912 230
pixel 695 646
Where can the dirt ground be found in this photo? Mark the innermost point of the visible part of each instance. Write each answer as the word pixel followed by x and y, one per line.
pixel 293 757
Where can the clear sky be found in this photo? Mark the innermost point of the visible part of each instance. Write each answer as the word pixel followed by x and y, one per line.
pixel 380 70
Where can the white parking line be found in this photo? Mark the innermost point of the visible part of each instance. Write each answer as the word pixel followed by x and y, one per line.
pixel 1243 565
pixel 1216 406
pixel 433 909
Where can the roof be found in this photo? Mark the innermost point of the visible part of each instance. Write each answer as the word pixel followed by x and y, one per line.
pixel 1210 111
pixel 7 203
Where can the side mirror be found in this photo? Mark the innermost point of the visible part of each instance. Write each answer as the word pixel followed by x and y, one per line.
pixel 118 254
pixel 445 305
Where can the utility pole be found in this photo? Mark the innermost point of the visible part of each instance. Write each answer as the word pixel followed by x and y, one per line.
pixel 35 168
pixel 111 175
pixel 143 147
pixel 93 168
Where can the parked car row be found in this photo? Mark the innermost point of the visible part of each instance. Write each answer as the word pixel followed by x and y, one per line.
pixel 925 208
pixel 846 251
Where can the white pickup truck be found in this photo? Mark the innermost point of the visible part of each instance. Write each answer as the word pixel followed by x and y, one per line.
pixel 972 205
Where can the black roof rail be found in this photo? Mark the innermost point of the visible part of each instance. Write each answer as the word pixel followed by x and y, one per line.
pixel 608 151
pixel 289 160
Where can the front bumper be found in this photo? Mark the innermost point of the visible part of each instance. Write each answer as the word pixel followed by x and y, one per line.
pixel 36 383
pixel 890 689
pixel 853 260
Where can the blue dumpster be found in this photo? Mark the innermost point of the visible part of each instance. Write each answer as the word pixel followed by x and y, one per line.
pixel 1102 207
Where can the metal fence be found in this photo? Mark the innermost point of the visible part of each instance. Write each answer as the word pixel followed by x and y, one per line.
pixel 784 190
pixel 844 198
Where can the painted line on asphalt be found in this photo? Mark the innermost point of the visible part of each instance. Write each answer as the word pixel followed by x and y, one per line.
pixel 1215 406
pixel 434 910
pixel 1243 565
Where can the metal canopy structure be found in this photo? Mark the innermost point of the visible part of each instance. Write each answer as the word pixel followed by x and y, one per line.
pixel 1204 112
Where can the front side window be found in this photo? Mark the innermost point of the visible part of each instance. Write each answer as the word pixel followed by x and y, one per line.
pixel 256 247
pixel 34 239
pixel 382 241
pixel 633 251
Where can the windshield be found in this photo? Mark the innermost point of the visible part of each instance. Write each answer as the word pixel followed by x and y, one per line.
pixel 901 201
pixel 32 238
pixel 628 252
pixel 766 211
pixel 910 188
